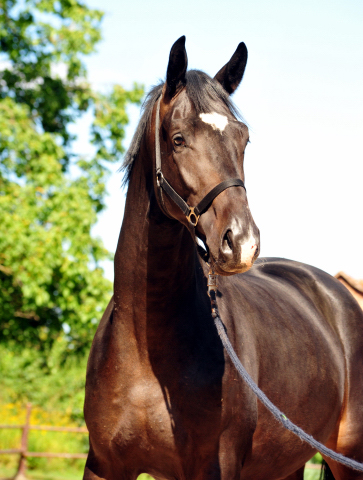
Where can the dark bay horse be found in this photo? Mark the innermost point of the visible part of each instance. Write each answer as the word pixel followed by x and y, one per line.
pixel 161 396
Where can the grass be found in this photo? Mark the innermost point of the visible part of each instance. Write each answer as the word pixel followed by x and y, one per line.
pixel 311 474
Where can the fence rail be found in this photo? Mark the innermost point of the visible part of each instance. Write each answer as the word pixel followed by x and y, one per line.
pixel 23 450
pixel 48 428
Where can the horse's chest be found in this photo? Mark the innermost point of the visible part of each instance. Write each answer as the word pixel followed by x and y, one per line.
pixel 180 414
pixel 158 408
pixel 145 412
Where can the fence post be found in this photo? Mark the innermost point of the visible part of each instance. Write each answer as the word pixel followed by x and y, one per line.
pixel 20 474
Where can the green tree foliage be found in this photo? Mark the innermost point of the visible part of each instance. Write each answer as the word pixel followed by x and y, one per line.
pixel 52 288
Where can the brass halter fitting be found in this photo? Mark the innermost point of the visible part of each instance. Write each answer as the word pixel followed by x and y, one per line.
pixel 193 217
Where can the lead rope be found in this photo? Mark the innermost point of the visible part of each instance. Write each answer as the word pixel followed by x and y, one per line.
pixel 338 457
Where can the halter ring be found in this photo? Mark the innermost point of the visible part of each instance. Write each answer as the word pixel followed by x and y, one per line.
pixel 192 217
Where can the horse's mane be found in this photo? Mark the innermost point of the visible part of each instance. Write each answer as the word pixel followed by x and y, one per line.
pixel 202 90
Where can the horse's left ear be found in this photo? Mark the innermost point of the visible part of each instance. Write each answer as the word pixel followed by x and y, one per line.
pixel 177 67
pixel 231 74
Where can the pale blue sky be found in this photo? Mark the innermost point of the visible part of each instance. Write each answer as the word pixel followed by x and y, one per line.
pixel 301 96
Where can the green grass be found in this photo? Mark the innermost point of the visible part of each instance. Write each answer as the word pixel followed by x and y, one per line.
pixel 311 473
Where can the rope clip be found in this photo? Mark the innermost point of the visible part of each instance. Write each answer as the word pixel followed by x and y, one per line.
pixel 212 282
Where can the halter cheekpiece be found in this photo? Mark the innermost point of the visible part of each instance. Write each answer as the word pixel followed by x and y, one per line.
pixel 192 213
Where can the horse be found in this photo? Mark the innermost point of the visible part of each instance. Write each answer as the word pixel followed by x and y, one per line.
pixel 161 396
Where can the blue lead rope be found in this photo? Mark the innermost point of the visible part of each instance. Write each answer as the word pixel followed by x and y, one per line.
pixel 338 457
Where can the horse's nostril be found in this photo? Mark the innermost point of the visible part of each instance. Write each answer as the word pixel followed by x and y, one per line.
pixel 227 240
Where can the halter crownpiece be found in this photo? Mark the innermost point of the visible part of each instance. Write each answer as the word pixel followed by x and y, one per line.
pixel 192 213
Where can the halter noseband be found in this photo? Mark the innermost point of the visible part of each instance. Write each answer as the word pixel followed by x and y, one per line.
pixel 192 213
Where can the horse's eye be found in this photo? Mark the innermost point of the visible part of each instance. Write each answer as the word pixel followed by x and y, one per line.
pixel 178 141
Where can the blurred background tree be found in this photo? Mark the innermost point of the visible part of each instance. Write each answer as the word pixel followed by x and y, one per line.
pixel 53 291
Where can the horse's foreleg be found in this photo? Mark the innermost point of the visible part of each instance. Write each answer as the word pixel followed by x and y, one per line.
pixel 105 469
pixel 347 440
pixel 341 472
pixel 89 475
pixel 93 470
pixel 298 475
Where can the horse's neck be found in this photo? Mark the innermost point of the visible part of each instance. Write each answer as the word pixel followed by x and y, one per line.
pixel 154 260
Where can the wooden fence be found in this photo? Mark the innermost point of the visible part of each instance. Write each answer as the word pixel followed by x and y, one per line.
pixel 23 450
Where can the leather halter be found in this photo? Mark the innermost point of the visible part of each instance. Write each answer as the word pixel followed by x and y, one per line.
pixel 192 213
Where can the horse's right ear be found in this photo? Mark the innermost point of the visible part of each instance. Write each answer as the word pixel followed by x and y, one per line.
pixel 231 74
pixel 177 67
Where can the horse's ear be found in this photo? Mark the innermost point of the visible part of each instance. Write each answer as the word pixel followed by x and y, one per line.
pixel 178 62
pixel 231 74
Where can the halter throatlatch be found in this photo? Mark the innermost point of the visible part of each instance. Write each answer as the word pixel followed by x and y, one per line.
pixel 192 213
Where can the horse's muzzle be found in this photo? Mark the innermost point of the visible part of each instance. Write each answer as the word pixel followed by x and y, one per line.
pixel 237 250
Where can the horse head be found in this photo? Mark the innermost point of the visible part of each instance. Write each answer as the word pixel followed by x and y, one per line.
pixel 200 145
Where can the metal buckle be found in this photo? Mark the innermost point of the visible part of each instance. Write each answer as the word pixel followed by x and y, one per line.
pixel 192 217
pixel 159 178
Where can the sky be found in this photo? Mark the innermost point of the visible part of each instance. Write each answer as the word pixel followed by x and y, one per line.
pixel 301 96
